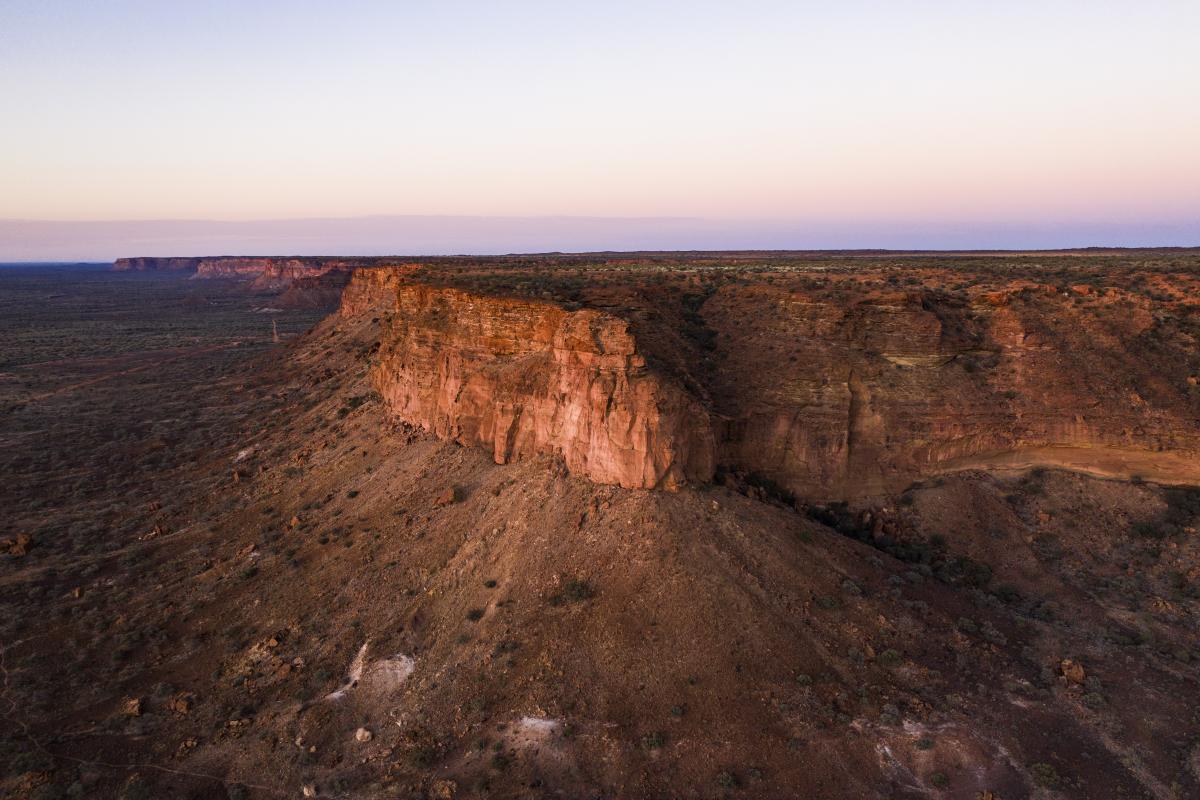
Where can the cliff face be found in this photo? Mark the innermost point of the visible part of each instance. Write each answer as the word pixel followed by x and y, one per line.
pixel 268 272
pixel 523 378
pixel 156 264
pixel 824 396
pixel 315 291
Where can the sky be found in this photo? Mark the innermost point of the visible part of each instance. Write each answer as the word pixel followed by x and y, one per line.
pixel 672 124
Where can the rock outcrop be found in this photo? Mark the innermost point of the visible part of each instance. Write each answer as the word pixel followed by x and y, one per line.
pixel 522 378
pixel 266 272
pixel 272 273
pixel 145 264
pixel 844 395
pixel 845 399
pixel 302 281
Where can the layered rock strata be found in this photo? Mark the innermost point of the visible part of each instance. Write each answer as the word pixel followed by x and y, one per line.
pixel 523 378
pixel 828 398
pixel 822 397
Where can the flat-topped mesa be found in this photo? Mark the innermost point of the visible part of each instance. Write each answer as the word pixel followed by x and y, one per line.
pixel 271 272
pixel 267 272
pixel 860 395
pixel 524 377
pixel 845 395
pixel 151 264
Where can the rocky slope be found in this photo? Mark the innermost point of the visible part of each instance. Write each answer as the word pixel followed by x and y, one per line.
pixel 245 578
pixel 852 394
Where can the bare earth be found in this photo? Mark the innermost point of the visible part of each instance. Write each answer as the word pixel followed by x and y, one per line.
pixel 703 526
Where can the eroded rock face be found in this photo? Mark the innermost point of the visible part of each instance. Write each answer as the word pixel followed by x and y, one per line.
pixel 271 273
pixel 523 378
pixel 267 272
pixel 861 398
pixel 841 396
pixel 156 264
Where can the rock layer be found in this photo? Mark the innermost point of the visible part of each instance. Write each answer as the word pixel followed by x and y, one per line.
pixel 523 378
pixel 863 398
pixel 148 264
pixel 267 273
pixel 272 273
pixel 822 396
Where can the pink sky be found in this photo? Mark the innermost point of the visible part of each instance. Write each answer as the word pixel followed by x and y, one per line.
pixel 844 124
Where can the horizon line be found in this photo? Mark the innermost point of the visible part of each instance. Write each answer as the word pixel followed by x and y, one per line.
pixel 58 241
pixel 849 251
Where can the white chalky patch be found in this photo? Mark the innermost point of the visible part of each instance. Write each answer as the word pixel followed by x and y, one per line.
pixel 389 673
pixel 379 676
pixel 353 675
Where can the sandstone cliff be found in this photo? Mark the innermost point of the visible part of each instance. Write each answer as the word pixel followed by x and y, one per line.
pixel 862 398
pixel 846 394
pixel 271 272
pixel 147 264
pixel 267 272
pixel 521 378
pixel 301 281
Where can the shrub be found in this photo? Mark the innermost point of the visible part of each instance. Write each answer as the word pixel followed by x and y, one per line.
pixel 654 741
pixel 889 658
pixel 1044 775
pixel 575 591
pixel 1149 530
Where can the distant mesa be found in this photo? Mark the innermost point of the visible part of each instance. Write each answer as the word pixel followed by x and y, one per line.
pixel 313 282
pixel 156 264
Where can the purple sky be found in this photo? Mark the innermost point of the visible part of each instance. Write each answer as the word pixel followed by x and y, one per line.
pixel 105 241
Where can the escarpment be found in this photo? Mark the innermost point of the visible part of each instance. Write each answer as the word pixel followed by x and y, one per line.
pixel 522 378
pixel 828 398
pixel 318 279
pixel 274 273
pixel 149 264
pixel 853 394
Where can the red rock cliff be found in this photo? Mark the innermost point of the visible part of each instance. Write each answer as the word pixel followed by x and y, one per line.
pixel 268 272
pixel 522 377
pixel 864 395
pixel 828 396
pixel 151 264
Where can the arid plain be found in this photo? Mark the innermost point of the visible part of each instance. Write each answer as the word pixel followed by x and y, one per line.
pixel 645 525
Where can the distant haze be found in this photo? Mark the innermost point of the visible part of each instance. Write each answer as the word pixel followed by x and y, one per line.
pixel 647 123
pixel 417 235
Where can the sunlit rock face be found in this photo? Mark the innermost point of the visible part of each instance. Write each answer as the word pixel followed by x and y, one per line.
pixel 846 396
pixel 522 378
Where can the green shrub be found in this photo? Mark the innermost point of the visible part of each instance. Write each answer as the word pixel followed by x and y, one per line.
pixel 1045 775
